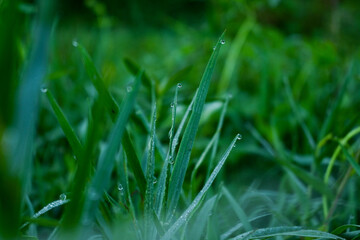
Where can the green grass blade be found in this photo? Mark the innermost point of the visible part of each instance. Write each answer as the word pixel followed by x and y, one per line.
pixel 330 166
pixel 344 228
pixel 134 69
pixel 95 78
pixel 297 114
pixel 102 175
pixel 113 110
pixel 184 218
pixel 350 159
pixel 238 209
pixel 285 231
pixel 202 217
pixel 183 156
pixel 65 126
pixel 235 228
pixel 332 111
pixel 161 187
pixel 150 181
pixel 134 163
pixel 216 140
pixel 234 52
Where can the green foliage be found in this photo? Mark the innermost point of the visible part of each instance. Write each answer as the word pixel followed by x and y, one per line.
pixel 126 140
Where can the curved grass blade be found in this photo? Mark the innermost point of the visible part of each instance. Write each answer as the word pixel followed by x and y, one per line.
pixel 65 126
pixel 184 218
pixel 240 225
pixel 238 209
pixel 284 231
pixel 183 156
pixel 95 78
pixel 343 228
pixel 47 208
pixel 350 159
pixel 134 162
pixel 343 141
pixel 202 217
pixel 234 52
pixel 102 175
pixel 331 113
pixel 297 114
pixel 113 110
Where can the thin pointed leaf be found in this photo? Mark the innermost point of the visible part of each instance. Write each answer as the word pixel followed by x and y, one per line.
pixel 69 132
pixel 202 217
pixel 102 175
pixel 193 206
pixel 183 156
pixel 334 107
pixel 150 168
pixel 238 209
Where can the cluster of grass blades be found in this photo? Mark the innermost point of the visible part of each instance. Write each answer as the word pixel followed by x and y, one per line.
pixel 118 191
pixel 148 208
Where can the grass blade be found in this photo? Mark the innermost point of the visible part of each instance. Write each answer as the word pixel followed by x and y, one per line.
pixel 331 113
pixel 234 52
pixel 161 188
pixel 238 209
pixel 95 78
pixel 189 211
pixel 200 222
pixel 350 159
pixel 102 175
pixel 113 110
pixel 183 156
pixel 65 125
pixel 285 231
pixel 150 181
pixel 297 114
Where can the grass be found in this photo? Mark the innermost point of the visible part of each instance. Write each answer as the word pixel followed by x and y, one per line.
pixel 264 145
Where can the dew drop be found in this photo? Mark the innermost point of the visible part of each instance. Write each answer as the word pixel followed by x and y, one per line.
pixel 234 146
pixel 43 89
pixel 129 89
pixel 155 180
pixel 214 48
pixel 179 85
pixel 172 105
pixel 120 187
pixel 62 196
pixel 222 42
pixel 75 43
pixel 239 136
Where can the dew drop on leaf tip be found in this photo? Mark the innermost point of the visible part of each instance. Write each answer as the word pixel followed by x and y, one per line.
pixel 43 89
pixel 62 196
pixel 239 136
pixel 75 43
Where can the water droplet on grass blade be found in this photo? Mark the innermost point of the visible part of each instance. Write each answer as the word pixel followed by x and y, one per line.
pixel 155 180
pixel 62 197
pixel 222 42
pixel 43 89
pixel 172 104
pixel 129 89
pixel 75 43
pixel 239 136
pixel 179 85
pixel 120 187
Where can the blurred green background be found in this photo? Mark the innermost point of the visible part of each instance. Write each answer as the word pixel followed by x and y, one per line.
pixel 313 44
